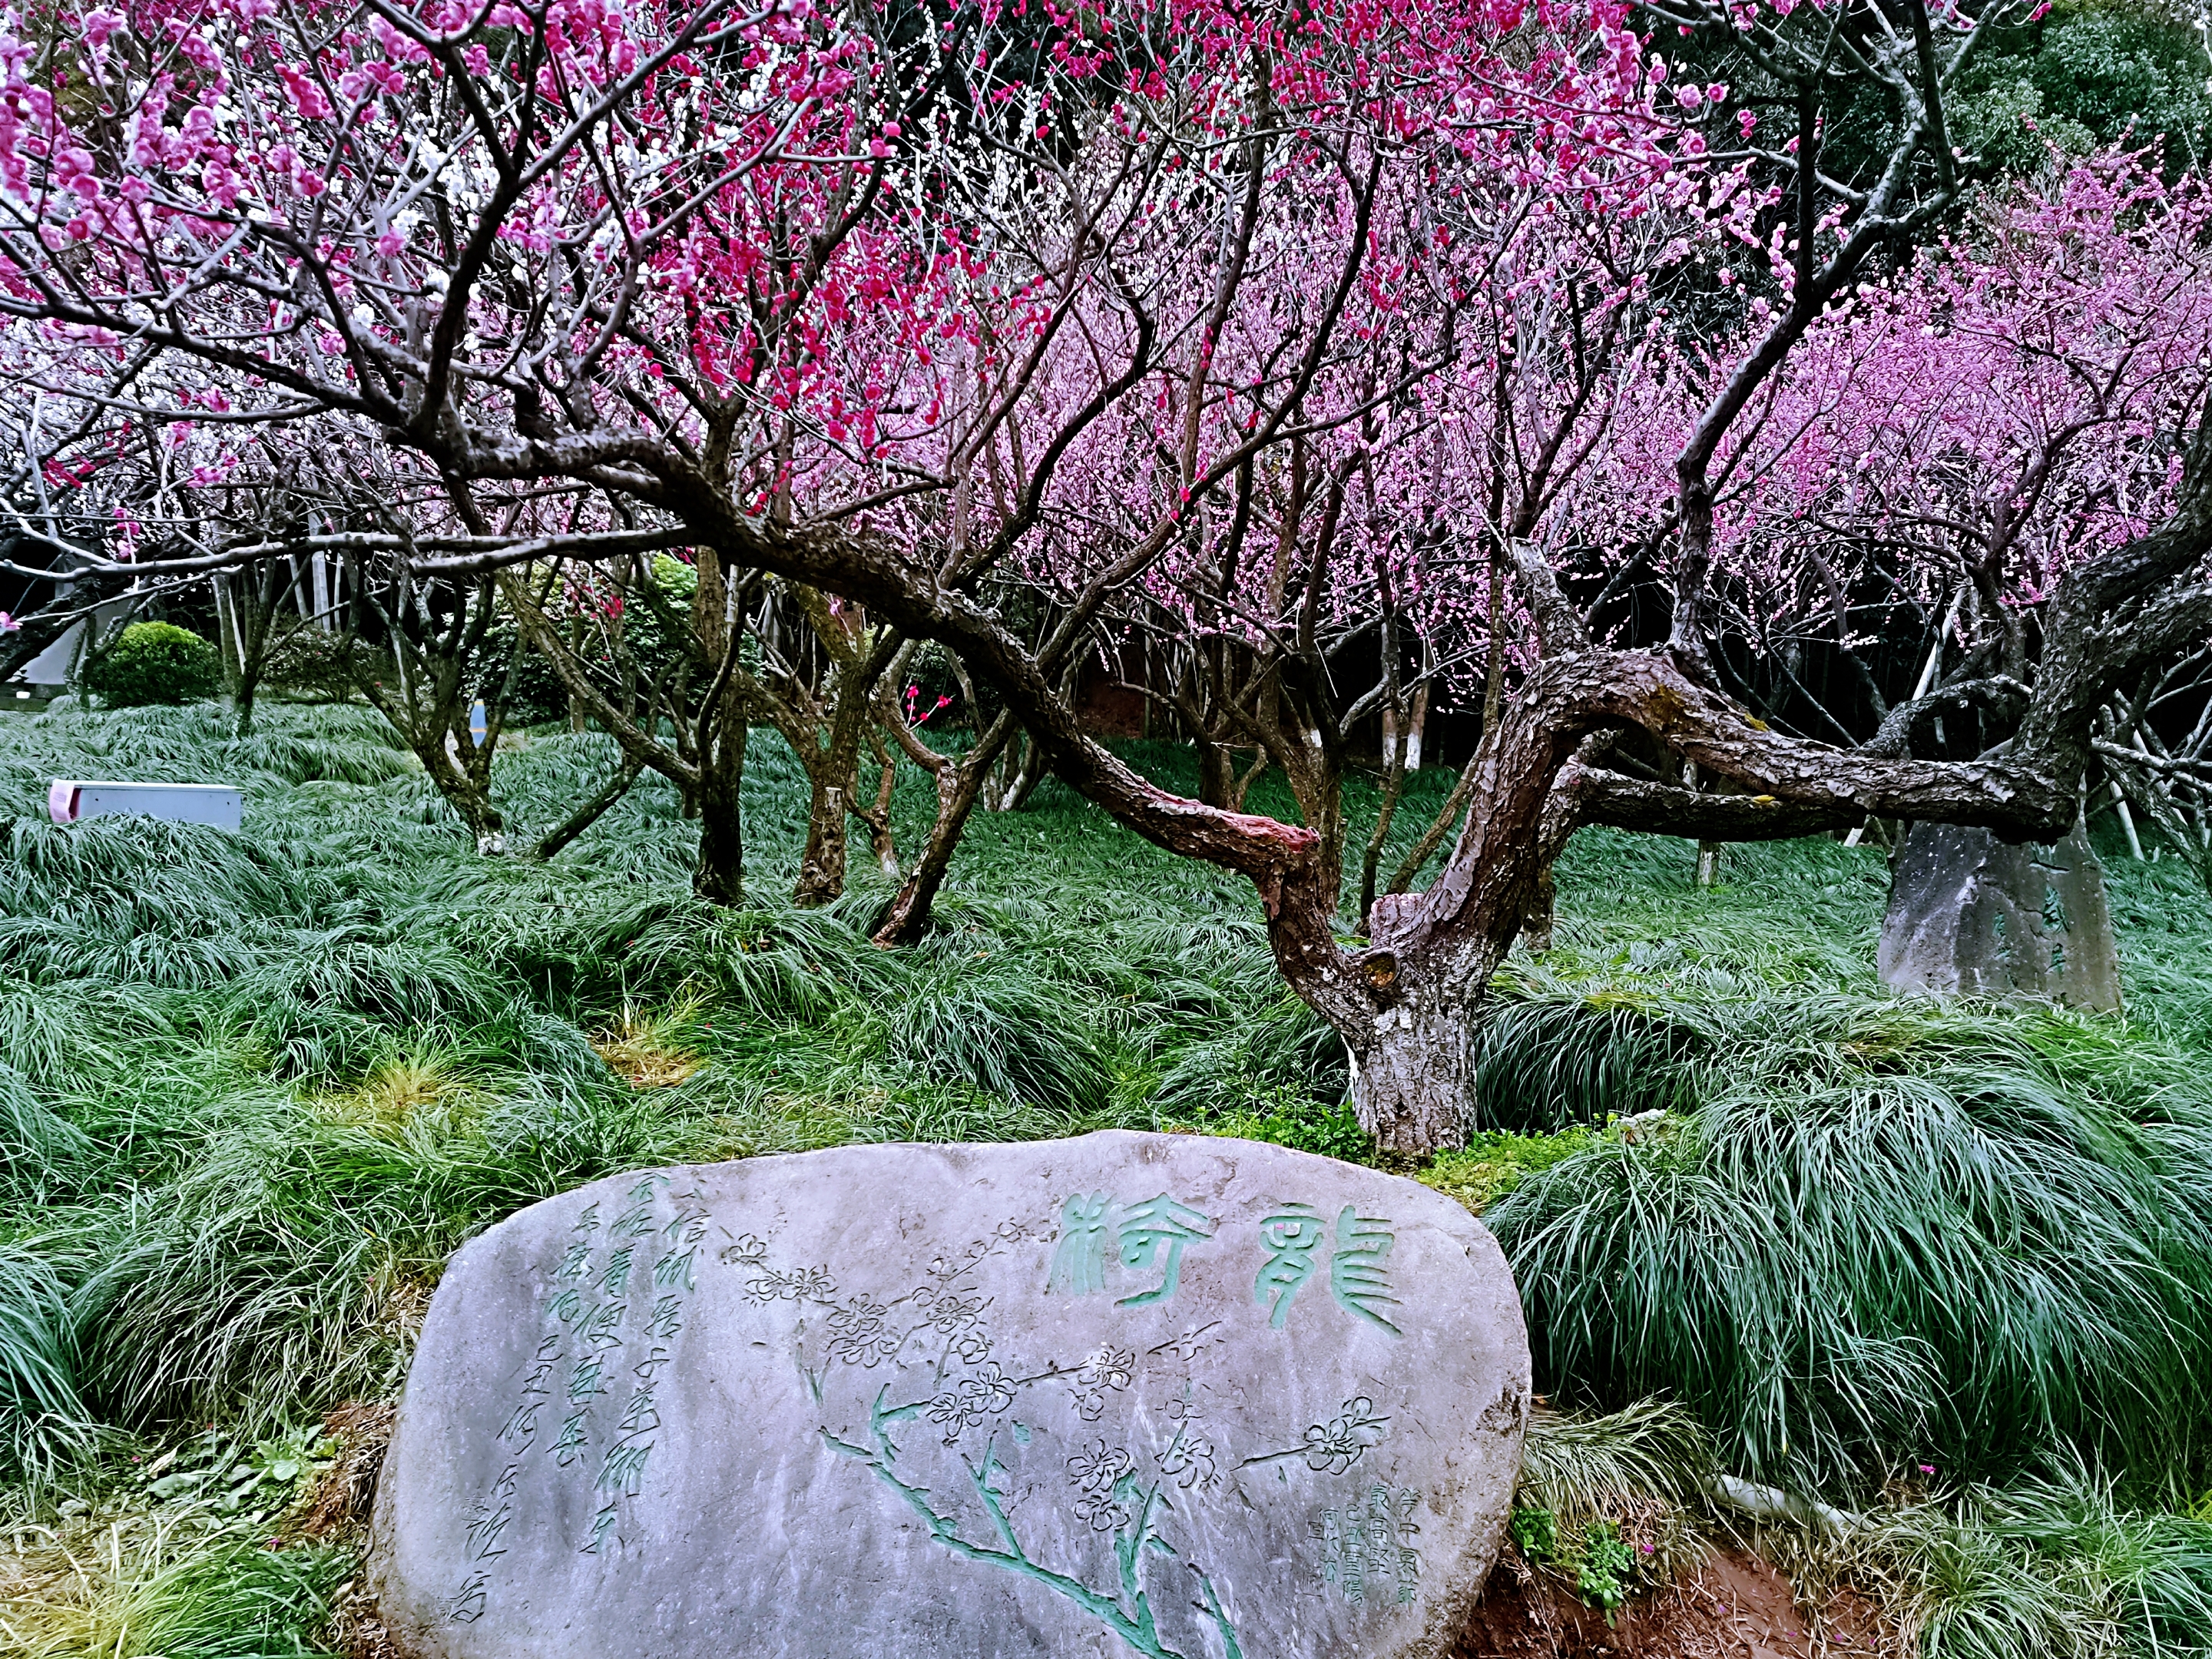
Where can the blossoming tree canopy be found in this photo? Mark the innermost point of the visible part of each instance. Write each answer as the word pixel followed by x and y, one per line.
pixel 639 237
pixel 1956 436
pixel 403 217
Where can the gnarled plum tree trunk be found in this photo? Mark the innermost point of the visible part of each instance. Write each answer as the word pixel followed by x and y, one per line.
pixel 436 631
pixel 719 737
pixel 822 861
pixel 721 875
pixel 833 767
pixel 1414 1088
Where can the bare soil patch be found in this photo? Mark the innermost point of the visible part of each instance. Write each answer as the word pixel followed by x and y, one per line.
pixel 1734 1607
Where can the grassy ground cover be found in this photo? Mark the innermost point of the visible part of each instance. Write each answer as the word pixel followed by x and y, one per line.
pixel 1950 1270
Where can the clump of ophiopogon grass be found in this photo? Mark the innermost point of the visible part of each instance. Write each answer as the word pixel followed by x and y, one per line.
pixel 2056 1564
pixel 171 1554
pixel 647 1049
pixel 1888 1234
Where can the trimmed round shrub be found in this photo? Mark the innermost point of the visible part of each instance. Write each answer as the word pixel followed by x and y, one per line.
pixel 155 662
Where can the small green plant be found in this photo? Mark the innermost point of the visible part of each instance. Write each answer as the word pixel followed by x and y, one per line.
pixel 1536 1535
pixel 230 1484
pixel 1604 1566
pixel 1607 1564
pixel 1494 1162
pixel 155 662
pixel 1284 1116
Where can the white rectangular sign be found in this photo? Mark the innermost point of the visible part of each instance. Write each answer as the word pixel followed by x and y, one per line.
pixel 71 799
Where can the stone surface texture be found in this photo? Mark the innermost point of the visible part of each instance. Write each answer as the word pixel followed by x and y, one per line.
pixel 1970 915
pixel 1128 1394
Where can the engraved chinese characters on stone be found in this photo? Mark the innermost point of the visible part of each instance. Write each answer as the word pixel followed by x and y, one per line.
pixel 591 1349
pixel 1146 1236
pixel 1359 1276
pixel 1168 1396
pixel 1366 1548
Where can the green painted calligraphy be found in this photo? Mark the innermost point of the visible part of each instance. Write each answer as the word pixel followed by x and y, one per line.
pixel 624 1471
pixel 639 1416
pixel 667 1317
pixel 548 1354
pixel 486 1530
pixel 493 1517
pixel 602 1523
pixel 574 1263
pixel 600 1333
pixel 522 1422
pixel 615 1279
pixel 570 1445
pixel 673 1270
pixel 1290 1236
pixel 1144 1229
pixel 1078 1265
pixel 1145 1235
pixel 636 1221
pixel 589 1378
pixel 1356 1275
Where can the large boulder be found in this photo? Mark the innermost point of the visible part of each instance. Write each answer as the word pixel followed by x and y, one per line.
pixel 1130 1393
pixel 1970 915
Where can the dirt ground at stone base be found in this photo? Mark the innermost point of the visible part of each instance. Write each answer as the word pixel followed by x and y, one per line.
pixel 1734 1607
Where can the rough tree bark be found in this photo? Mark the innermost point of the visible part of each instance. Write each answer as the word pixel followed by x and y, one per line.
pixel 826 727
pixel 248 603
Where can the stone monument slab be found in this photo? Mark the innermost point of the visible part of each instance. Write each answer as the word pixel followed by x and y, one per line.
pixel 1970 915
pixel 1166 1395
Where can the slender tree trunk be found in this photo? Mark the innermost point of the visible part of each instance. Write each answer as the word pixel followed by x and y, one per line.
pixel 578 718
pixel 877 818
pixel 226 630
pixel 822 864
pixel 1370 859
pixel 469 797
pixel 247 616
pixel 1021 783
pixel 249 684
pixel 590 813
pixel 905 919
pixel 1708 864
pixel 1416 725
pixel 833 770
pixel 721 874
pixel 722 732
pixel 1217 772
